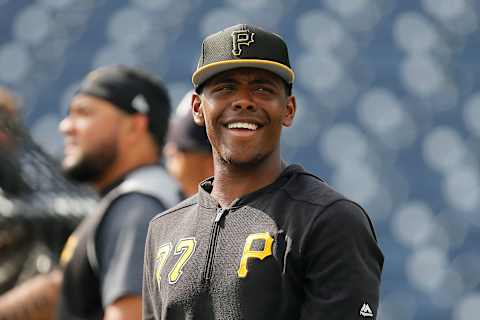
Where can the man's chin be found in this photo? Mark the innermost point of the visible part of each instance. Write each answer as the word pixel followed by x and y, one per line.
pixel 243 161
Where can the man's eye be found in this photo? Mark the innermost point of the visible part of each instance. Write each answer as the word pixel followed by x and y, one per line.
pixel 225 88
pixel 228 87
pixel 264 90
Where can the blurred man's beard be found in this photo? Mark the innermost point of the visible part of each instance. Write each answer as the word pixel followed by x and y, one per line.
pixel 92 166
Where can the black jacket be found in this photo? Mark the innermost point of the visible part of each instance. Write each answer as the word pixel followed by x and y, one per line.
pixel 295 249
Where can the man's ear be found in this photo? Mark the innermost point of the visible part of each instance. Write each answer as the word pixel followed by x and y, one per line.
pixel 291 108
pixel 133 126
pixel 197 110
pixel 138 123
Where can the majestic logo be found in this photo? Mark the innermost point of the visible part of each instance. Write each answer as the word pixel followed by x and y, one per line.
pixel 365 311
pixel 241 38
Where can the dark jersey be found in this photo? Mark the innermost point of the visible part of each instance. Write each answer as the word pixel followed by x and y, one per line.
pixel 295 249
pixel 107 248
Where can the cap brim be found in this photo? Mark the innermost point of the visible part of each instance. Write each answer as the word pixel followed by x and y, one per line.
pixel 206 72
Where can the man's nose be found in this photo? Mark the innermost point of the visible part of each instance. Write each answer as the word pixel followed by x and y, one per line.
pixel 244 100
pixel 66 125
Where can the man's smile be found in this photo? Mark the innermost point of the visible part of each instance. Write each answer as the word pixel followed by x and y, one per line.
pixel 242 125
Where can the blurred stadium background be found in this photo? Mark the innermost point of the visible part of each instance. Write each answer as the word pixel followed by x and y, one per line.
pixel 389 109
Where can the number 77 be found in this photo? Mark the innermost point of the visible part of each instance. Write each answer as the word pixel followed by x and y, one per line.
pixel 185 248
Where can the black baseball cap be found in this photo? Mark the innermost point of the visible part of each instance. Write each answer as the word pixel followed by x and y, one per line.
pixel 184 133
pixel 239 46
pixel 133 91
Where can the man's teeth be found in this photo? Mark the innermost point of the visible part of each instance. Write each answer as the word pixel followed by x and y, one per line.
pixel 242 125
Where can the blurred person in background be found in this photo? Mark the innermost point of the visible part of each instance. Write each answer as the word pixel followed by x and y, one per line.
pixel 12 133
pixel 114 134
pixel 261 239
pixel 33 227
pixel 188 154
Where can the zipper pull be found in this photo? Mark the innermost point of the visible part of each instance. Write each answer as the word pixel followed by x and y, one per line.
pixel 220 212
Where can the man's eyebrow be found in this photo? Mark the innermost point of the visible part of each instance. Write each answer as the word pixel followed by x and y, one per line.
pixel 224 79
pixel 79 106
pixel 264 81
pixel 256 81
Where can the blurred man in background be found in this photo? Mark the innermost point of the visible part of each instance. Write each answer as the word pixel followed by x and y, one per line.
pixel 114 133
pixel 11 135
pixel 188 154
pixel 8 101
pixel 39 208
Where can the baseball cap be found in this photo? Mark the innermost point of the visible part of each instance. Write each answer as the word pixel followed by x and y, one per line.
pixel 239 46
pixel 183 132
pixel 133 91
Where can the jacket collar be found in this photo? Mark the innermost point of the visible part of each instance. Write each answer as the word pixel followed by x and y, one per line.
pixel 207 201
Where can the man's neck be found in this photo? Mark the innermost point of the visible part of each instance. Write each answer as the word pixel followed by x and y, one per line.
pixel 232 182
pixel 129 158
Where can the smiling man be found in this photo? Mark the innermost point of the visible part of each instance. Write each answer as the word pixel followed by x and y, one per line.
pixel 261 239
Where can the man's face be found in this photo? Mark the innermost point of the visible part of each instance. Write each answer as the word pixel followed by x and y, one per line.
pixel 91 133
pixel 244 110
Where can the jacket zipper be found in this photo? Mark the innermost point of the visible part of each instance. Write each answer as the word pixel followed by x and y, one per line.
pixel 207 274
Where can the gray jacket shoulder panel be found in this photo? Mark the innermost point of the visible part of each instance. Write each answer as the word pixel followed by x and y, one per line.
pixel 193 200
pixel 152 181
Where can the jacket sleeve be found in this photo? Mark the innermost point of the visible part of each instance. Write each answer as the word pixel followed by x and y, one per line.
pixel 120 244
pixel 342 264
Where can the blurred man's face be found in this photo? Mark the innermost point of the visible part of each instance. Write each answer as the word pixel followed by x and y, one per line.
pixel 5 132
pixel 189 168
pixel 11 135
pixel 91 133
pixel 11 130
pixel 11 181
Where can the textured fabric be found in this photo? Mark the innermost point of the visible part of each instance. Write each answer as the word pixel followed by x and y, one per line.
pixel 296 249
pixel 87 273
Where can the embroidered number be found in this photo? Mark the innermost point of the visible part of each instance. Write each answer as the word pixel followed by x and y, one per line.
pixel 249 253
pixel 185 247
pixel 161 258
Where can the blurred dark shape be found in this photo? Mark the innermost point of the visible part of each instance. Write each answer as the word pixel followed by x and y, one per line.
pixel 39 208
pixel 184 133
pixel 11 136
pixel 188 153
